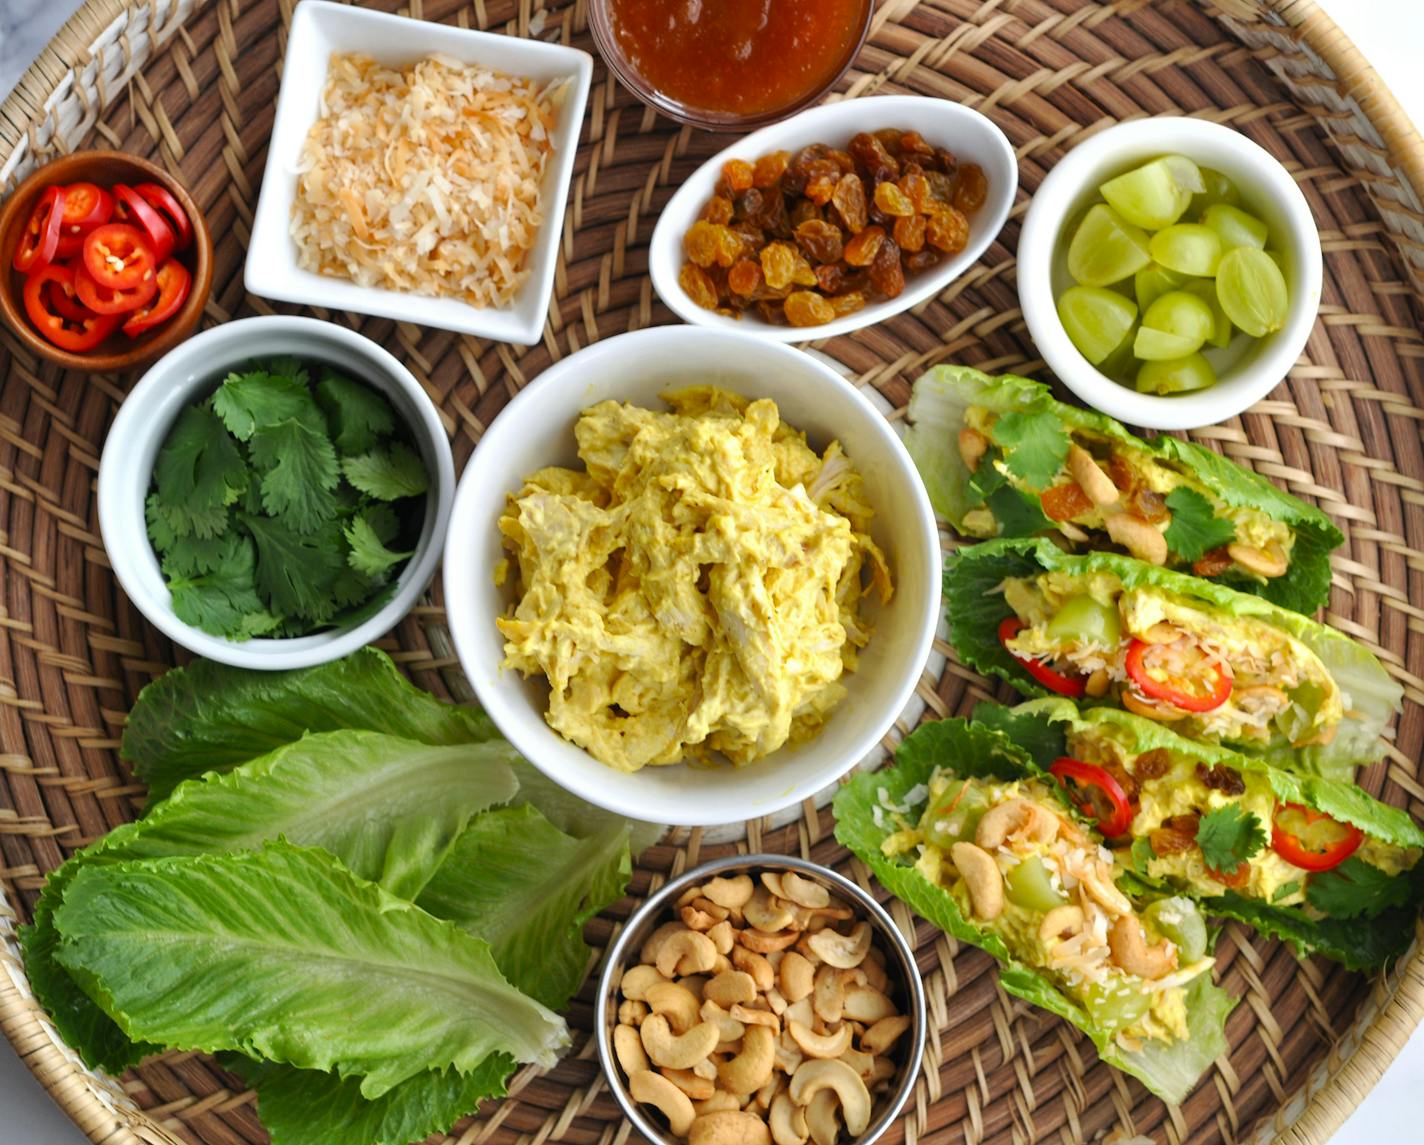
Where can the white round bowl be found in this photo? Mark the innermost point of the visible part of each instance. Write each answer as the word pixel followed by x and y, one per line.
pixel 1247 372
pixel 972 137
pixel 536 430
pixel 189 373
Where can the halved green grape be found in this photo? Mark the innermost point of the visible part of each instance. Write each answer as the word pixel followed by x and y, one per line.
pixel 1252 291
pixel 1120 364
pixel 1180 923
pixel 1106 248
pixel 1095 319
pixel 1205 289
pixel 1278 258
pixel 1085 620
pixel 1183 314
pixel 1156 194
pixel 1112 1006
pixel 1153 281
pixel 1235 226
pixel 1219 189
pixel 955 814
pixel 1028 885
pixel 1175 375
pixel 1158 346
pixel 1187 248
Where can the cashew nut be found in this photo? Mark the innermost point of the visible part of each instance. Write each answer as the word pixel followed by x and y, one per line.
pixel 1130 950
pixel 788 1122
pixel 716 1103
pixel 1141 706
pixel 866 1005
pixel 733 893
pixel 723 937
pixel 828 994
pixel 1090 476
pixel 797 976
pixel 884 1034
pixel 821 1118
pixel 801 1011
pixel 982 877
pixel 804 892
pixel 637 979
pixel 1059 921
pixel 762 943
pixel 631 1013
pixel 677 1051
pixel 696 1086
pixel 628 1047
pixel 1096 684
pixel 1142 540
pixel 756 1017
pixel 1269 562
pixel 1011 817
pixel 788 1057
pixel 730 987
pixel 816 1045
pixel 766 912
pixel 874 970
pixel 729 1127
pixel 748 1071
pixel 728 1027
pixel 686 952
pixel 653 1089
pixel 676 1003
pixel 649 953
pixel 755 965
pixel 1102 890
pixel 811 1077
pixel 696 918
pixel 841 950
pixel 972 445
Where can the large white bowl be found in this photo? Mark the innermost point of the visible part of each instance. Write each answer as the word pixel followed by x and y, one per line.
pixel 1247 371
pixel 962 130
pixel 536 430
pixel 188 374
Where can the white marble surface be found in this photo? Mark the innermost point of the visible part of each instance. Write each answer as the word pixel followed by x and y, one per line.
pixel 1389 32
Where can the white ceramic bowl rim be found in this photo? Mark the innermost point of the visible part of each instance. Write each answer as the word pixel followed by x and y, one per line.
pixel 1073 181
pixel 970 135
pixel 193 369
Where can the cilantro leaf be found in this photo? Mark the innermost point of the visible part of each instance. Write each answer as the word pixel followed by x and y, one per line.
pixel 198 473
pixel 1355 889
pixel 223 602
pixel 352 587
pixel 986 479
pixel 368 555
pixel 246 402
pixel 1195 529
pixel 387 472
pixel 1228 837
pixel 357 414
pixel 195 556
pixel 1285 890
pixel 299 473
pixel 1035 445
pixel 1142 854
pixel 1019 514
pixel 296 572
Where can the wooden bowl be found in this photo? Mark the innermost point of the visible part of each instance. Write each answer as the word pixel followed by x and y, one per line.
pixel 119 352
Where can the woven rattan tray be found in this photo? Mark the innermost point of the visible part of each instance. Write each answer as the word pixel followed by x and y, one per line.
pixel 193 85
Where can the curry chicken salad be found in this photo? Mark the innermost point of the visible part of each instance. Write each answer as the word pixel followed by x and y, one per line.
pixel 696 588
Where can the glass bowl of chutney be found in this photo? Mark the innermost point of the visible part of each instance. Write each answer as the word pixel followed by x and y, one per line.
pixel 729 65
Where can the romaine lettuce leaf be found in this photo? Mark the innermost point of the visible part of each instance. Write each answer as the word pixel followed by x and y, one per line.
pixel 1170 1071
pixel 284 954
pixel 936 414
pixel 975 607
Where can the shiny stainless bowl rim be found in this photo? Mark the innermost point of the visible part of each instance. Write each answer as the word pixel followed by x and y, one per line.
pixel 605 1008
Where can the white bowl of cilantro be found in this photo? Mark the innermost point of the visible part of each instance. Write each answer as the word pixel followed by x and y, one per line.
pixel 274 493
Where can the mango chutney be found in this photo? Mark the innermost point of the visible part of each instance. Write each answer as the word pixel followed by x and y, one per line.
pixel 736 59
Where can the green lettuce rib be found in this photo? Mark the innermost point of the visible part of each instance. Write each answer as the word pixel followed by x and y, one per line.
pixel 285 955
pixel 975 607
pixel 937 408
pixel 1170 1071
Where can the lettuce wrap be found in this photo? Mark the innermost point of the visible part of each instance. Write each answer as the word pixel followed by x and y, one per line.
pixel 1206 506
pixel 1297 694
pixel 1360 912
pixel 867 816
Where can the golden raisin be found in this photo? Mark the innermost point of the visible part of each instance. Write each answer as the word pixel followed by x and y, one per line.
pixel 693 279
pixel 947 230
pixel 830 278
pixel 971 188
pixel 738 173
pixel 770 168
pixel 844 304
pixel 820 240
pixel 805 308
pixel 893 201
pixel 887 276
pixel 729 246
pixel 922 259
pixel 1064 502
pixel 778 264
pixel 909 232
pixel 913 146
pixel 917 189
pixel 718 210
pixel 744 278
pixel 821 188
pixel 862 249
pixel 700 243
pixel 849 201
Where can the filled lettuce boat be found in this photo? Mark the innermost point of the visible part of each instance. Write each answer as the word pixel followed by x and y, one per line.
pixel 1001 456
pixel 1314 861
pixel 1222 667
pixel 967 831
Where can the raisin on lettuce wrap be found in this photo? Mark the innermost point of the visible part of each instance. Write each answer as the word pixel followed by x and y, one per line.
pixel 1314 861
pixel 978 840
pixel 1220 666
pixel 1001 457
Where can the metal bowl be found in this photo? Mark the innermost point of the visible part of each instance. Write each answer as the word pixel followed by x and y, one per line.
pixel 907 988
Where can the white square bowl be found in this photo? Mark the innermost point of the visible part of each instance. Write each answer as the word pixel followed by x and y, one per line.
pixel 319 29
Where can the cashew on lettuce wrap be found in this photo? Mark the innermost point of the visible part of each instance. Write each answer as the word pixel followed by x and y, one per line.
pixel 1313 861
pixel 968 831
pixel 1002 458
pixel 1221 667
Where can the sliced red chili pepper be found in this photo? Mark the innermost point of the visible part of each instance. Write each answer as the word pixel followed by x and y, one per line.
pixel 1156 684
pixel 1312 840
pixel 1096 793
pixel 77 337
pixel 102 300
pixel 59 290
pixel 39 241
pixel 172 210
pixel 118 256
pixel 133 208
pixel 1069 686
pixel 86 206
pixel 174 282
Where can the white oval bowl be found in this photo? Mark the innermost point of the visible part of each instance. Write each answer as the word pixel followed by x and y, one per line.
pixel 1247 372
pixel 536 430
pixel 972 138
pixel 189 373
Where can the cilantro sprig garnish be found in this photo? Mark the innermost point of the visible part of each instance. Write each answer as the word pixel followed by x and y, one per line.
pixel 1356 889
pixel 280 507
pixel 1035 446
pixel 1229 837
pixel 1195 529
